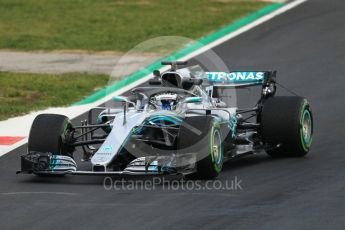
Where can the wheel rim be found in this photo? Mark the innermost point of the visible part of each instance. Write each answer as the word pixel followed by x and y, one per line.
pixel 216 150
pixel 306 129
pixel 63 149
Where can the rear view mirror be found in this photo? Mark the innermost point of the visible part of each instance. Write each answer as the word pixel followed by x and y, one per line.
pixel 193 100
pixel 121 99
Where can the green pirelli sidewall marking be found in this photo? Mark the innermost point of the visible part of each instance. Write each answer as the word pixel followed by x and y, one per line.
pixel 216 165
pixel 305 145
pixel 181 53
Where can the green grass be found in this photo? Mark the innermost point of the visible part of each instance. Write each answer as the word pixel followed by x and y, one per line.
pixel 101 25
pixel 22 93
pixel 97 25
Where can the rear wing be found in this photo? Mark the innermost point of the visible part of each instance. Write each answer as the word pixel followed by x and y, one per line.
pixel 241 78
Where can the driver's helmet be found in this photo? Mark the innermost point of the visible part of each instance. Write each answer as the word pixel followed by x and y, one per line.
pixel 167 101
pixel 166 104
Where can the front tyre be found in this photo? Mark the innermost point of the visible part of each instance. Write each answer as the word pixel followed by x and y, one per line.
pixel 50 133
pixel 287 126
pixel 207 144
pixel 211 165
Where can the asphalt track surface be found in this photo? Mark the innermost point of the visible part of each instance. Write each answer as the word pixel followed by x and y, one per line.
pixel 306 46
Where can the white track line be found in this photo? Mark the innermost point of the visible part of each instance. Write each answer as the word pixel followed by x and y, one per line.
pixel 23 123
pixel 245 28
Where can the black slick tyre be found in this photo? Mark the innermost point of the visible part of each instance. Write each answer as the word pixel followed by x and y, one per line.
pixel 202 135
pixel 49 133
pixel 287 126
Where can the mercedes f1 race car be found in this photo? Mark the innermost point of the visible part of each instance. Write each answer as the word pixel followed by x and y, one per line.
pixel 179 125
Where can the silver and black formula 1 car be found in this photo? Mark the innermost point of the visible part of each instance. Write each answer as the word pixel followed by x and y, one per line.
pixel 179 125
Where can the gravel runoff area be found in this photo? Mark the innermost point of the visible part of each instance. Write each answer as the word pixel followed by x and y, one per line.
pixel 69 62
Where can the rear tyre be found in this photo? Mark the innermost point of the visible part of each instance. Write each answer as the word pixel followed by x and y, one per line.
pixel 287 126
pixel 202 135
pixel 50 133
